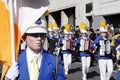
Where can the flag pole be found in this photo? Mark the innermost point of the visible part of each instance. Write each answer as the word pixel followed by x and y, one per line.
pixel 12 30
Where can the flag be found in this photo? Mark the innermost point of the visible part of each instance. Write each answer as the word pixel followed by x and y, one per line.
pixel 25 13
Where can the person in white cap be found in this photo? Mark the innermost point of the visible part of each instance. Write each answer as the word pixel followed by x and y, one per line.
pixel 105 62
pixel 84 53
pixel 34 63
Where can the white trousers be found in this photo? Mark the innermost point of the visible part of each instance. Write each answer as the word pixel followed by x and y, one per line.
pixel 85 66
pixel 106 68
pixel 67 58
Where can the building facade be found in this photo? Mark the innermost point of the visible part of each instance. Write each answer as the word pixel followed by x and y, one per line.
pixel 89 11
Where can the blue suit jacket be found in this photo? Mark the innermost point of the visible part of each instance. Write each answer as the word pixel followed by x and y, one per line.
pixel 47 69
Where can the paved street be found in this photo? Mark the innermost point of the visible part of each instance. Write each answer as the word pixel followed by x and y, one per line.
pixel 75 72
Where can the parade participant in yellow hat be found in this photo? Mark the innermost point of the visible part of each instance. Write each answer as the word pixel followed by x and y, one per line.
pixel 66 48
pixel 105 62
pixel 83 44
pixel 51 39
pixel 55 31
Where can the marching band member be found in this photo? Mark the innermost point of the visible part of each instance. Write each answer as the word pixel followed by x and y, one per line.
pixel 118 59
pixel 61 37
pixel 114 44
pixel 56 36
pixel 34 63
pixel 104 51
pixel 55 31
pixel 51 39
pixel 84 53
pixel 66 49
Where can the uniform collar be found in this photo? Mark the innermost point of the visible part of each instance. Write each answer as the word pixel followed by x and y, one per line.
pixel 31 54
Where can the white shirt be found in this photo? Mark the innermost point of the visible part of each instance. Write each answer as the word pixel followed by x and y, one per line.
pixel 30 55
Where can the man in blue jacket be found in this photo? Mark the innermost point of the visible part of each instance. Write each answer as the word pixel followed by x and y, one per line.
pixel 104 61
pixel 84 53
pixel 35 57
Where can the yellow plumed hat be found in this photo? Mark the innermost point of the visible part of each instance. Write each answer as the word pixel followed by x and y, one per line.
pixel 67 28
pixel 103 26
pixel 46 13
pixel 83 27
pixel 55 26
pixel 50 28
pixel 102 23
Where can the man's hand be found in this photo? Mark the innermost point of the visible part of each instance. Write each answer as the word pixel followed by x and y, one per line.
pixel 12 72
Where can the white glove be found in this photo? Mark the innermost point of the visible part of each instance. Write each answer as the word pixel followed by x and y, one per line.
pixel 13 71
pixel 57 50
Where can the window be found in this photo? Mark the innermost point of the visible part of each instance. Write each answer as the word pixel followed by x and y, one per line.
pixel 89 7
